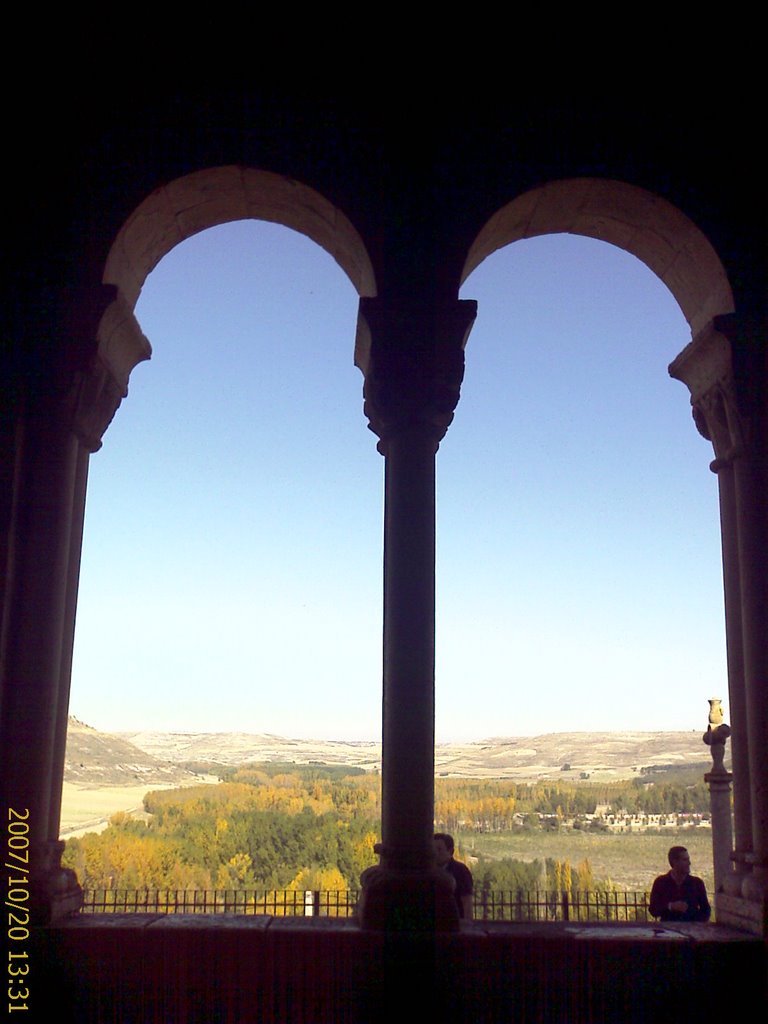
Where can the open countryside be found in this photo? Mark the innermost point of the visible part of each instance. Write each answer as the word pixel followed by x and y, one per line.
pixel 518 808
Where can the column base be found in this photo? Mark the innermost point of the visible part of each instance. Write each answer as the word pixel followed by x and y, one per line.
pixel 755 885
pixel 733 881
pixel 748 915
pixel 407 901
pixel 54 891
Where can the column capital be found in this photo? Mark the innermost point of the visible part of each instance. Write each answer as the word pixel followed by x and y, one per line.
pixel 724 368
pixel 81 402
pixel 93 399
pixel 79 379
pixel 748 339
pixel 413 361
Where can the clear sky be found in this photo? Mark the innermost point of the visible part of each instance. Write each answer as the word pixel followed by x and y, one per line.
pixel 231 574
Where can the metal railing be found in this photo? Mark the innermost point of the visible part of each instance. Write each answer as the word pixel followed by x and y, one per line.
pixel 519 905
pixel 275 902
pixel 561 906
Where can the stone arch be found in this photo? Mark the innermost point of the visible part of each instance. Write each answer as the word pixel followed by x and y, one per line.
pixel 193 203
pixel 644 224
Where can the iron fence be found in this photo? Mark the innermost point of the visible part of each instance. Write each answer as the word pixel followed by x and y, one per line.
pixel 520 905
pixel 276 903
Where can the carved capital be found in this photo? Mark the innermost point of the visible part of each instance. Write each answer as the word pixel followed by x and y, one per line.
pixel 414 366
pixel 94 398
pixel 100 387
pixel 706 366
pixel 81 402
pixel 748 339
pixel 717 418
pixel 80 385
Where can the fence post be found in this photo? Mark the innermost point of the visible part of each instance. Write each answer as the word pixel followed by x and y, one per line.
pixel 564 903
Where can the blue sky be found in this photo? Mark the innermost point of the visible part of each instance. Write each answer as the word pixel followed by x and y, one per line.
pixel 231 573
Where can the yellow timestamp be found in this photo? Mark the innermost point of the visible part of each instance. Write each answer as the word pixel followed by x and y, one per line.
pixel 17 903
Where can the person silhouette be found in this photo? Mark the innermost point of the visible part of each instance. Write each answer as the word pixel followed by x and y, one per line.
pixel 679 895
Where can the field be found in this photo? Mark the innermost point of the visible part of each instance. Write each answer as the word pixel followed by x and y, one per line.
pixel 85 809
pixel 631 860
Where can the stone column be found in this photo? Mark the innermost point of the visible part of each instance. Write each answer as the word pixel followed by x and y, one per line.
pixel 725 370
pixel 705 366
pixel 750 364
pixel 68 636
pixel 33 631
pixel 742 797
pixel 719 782
pixel 55 431
pixel 412 381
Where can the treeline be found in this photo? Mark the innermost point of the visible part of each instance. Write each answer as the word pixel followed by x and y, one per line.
pixel 550 875
pixel 270 830
pixel 498 805
pixel 492 800
pixel 314 827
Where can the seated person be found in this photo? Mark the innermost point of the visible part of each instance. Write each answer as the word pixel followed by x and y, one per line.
pixel 679 895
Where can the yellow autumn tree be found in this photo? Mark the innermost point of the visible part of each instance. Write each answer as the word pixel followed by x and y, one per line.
pixel 585 880
pixel 567 876
pixel 236 873
pixel 363 854
pixel 323 880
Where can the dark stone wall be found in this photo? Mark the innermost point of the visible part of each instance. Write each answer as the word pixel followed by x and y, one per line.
pixel 187 968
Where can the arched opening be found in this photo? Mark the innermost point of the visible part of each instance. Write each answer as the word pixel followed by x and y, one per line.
pixel 167 220
pixel 580 602
pixel 637 221
pixel 579 576
pixel 544 386
pixel 232 547
pixel 202 200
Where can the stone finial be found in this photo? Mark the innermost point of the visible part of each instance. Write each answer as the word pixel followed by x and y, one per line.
pixel 717 733
pixel 715 712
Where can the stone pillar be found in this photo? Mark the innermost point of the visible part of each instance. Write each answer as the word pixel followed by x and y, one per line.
pixel 54 434
pixel 33 632
pixel 742 797
pixel 413 377
pixel 750 355
pixel 725 370
pixel 68 636
pixel 719 782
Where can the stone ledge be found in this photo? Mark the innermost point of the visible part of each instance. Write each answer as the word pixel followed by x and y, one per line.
pixel 236 969
pixel 745 915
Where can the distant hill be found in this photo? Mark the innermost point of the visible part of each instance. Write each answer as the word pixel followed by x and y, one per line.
pixel 105 772
pixel 98 759
pixel 600 755
pixel 234 748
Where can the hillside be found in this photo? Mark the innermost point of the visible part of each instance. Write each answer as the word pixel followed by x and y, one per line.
pixel 600 755
pixel 105 773
pixel 95 759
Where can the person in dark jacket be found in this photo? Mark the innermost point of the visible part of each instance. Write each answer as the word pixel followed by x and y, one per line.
pixel 460 873
pixel 679 895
